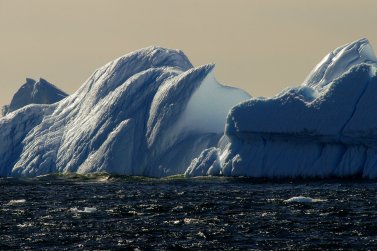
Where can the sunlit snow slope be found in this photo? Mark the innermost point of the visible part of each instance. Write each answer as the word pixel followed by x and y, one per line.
pixel 327 127
pixel 137 115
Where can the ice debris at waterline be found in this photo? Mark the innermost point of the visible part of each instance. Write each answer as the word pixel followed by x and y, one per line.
pixel 327 127
pixel 148 113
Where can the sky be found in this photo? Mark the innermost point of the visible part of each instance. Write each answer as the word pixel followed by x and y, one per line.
pixel 261 46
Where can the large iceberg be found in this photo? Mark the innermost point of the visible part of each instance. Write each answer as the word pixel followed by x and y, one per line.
pixel 34 92
pixel 151 113
pixel 146 113
pixel 327 127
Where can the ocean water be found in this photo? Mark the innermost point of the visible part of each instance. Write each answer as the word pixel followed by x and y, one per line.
pixel 102 212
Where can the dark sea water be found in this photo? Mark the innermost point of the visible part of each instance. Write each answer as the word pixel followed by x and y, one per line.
pixel 106 213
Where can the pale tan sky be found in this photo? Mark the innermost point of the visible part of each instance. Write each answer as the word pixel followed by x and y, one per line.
pixel 261 46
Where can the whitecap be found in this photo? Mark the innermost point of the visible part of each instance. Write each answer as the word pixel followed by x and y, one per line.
pixel 201 234
pixel 25 225
pixel 190 221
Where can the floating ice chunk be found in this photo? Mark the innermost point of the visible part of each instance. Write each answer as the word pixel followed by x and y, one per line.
pixel 73 210
pixel 302 199
pixel 191 221
pixel 89 210
pixel 85 210
pixel 15 202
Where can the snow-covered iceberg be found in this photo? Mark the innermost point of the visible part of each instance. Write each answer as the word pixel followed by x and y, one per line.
pixel 146 113
pixel 34 92
pixel 151 113
pixel 327 127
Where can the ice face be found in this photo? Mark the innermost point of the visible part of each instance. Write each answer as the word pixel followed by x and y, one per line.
pixel 208 107
pixel 295 112
pixel 122 120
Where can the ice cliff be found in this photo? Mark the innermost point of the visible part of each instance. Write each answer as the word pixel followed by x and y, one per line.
pixel 147 113
pixel 34 92
pixel 327 127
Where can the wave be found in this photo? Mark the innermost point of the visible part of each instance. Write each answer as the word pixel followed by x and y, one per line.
pixel 104 177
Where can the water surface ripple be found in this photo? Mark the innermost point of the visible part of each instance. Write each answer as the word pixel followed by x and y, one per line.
pixel 103 212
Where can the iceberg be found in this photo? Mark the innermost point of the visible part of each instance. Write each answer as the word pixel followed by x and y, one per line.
pixel 146 113
pixel 324 128
pixel 34 92
pixel 152 113
pixel 302 199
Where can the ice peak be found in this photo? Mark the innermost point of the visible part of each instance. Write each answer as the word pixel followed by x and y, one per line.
pixel 160 56
pixel 29 81
pixel 32 83
pixel 115 73
pixel 361 48
pixel 357 43
pixel 34 92
pixel 339 61
pixel 43 81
